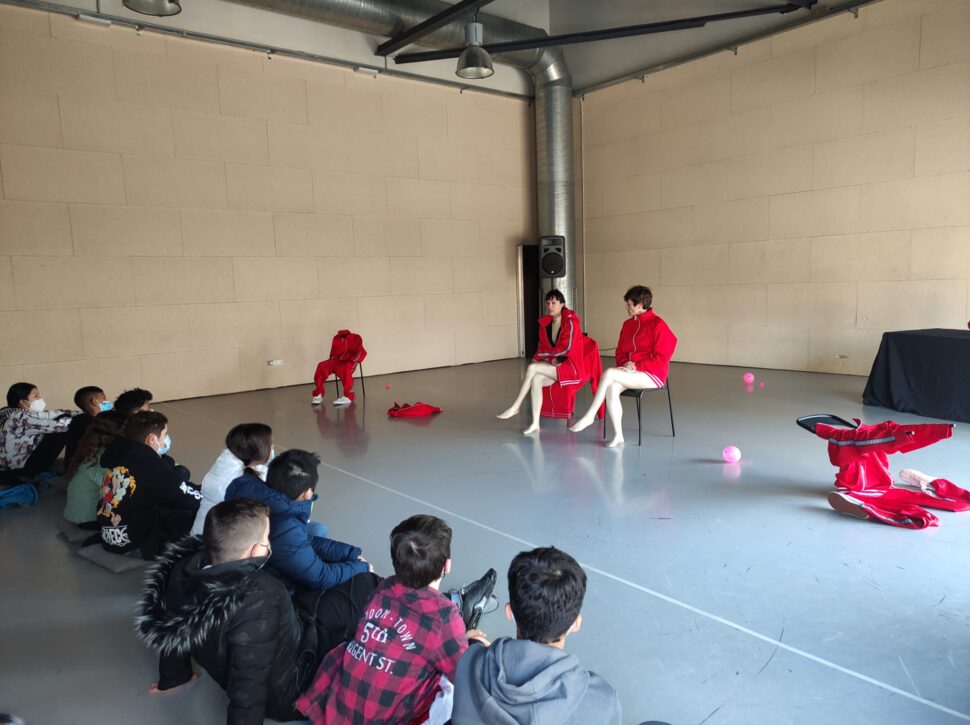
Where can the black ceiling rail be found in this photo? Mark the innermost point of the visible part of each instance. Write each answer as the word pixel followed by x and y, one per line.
pixel 626 31
pixel 430 25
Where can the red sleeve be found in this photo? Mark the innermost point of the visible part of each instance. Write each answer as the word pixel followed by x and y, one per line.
pixel 622 348
pixel 569 342
pixel 355 349
pixel 453 645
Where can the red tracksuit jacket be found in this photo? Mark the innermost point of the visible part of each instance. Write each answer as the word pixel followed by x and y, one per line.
pixel 568 347
pixel 646 341
pixel 347 346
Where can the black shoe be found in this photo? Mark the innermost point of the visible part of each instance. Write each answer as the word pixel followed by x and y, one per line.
pixel 472 598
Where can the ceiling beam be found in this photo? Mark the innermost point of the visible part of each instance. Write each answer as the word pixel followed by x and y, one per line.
pixel 430 25
pixel 626 31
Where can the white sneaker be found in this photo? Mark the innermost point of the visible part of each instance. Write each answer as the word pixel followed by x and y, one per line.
pixel 343 400
pixel 915 478
pixel 316 400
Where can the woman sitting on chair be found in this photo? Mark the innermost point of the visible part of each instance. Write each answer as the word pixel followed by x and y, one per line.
pixel 642 360
pixel 558 359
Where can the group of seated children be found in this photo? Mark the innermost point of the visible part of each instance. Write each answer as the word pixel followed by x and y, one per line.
pixel 289 622
pixel 361 649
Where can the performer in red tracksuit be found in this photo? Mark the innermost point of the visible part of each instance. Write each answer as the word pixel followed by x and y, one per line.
pixel 346 352
pixel 642 357
pixel 558 359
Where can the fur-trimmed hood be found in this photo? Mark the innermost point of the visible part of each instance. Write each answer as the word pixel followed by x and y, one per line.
pixel 184 604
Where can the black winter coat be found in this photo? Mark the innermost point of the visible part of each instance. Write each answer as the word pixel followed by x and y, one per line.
pixel 237 622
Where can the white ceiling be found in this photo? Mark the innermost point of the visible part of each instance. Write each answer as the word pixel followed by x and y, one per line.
pixel 591 64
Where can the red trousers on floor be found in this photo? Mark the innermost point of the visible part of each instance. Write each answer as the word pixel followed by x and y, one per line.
pixel 862 456
pixel 343 370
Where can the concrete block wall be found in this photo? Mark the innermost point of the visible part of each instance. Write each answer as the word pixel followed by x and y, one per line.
pixel 789 203
pixel 176 213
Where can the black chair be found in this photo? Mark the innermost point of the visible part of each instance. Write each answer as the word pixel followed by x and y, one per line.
pixel 808 422
pixel 358 367
pixel 638 394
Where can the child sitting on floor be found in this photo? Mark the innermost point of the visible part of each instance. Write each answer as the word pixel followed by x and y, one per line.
pixel 84 472
pixel 399 664
pixel 31 437
pixel 90 401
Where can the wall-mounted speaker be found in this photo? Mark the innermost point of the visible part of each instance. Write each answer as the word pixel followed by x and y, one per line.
pixel 552 256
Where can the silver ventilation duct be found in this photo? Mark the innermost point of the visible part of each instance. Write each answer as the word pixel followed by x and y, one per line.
pixel 547 67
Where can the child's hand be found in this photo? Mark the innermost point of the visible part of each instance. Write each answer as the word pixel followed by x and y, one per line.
pixel 479 635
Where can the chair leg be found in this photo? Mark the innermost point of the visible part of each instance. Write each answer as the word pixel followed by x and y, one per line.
pixel 639 422
pixel 363 390
pixel 670 407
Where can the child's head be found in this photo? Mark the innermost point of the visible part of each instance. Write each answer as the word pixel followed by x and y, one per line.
pixel 294 474
pixel 420 550
pixel 236 529
pixel 148 427
pixel 89 399
pixel 22 395
pixel 104 429
pixel 251 443
pixel 546 590
pixel 132 401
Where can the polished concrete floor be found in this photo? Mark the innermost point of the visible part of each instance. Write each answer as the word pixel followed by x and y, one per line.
pixel 717 593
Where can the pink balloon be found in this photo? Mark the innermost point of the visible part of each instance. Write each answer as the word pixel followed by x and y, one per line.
pixel 761 384
pixel 731 454
pixel 748 377
pixel 387 386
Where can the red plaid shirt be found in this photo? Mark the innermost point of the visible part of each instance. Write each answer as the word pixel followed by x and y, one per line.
pixel 389 672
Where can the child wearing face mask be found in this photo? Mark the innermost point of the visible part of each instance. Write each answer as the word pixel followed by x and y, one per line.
pixel 146 501
pixel 249 449
pixel 31 437
pixel 91 402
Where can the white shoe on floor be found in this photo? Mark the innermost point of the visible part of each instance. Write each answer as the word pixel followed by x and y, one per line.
pixel 916 478
pixel 343 400
pixel 316 400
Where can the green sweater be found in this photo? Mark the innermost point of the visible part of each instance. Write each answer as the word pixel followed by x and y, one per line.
pixel 84 491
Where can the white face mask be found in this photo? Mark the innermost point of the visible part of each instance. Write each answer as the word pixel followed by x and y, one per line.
pixel 37 406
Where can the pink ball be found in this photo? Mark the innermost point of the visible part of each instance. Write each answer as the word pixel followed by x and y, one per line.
pixel 761 384
pixel 748 377
pixel 731 454
pixel 387 386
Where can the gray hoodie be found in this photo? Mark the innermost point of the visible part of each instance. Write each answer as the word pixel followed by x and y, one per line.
pixel 515 682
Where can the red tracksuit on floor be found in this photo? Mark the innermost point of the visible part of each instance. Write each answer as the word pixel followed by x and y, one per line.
pixel 346 352
pixel 862 455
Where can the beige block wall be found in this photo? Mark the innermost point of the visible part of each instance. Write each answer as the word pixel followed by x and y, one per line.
pixel 176 213
pixel 789 203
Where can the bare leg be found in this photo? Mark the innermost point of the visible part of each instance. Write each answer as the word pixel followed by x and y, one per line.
pixel 538 383
pixel 545 370
pixel 624 380
pixel 614 408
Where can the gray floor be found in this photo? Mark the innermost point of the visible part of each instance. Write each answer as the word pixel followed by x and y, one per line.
pixel 717 593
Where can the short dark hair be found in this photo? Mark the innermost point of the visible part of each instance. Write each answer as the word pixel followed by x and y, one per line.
pixel 555 294
pixel 250 442
pixel 293 472
pixel 231 526
pixel 131 400
pixel 639 295
pixel 546 590
pixel 420 546
pixel 144 423
pixel 83 396
pixel 18 392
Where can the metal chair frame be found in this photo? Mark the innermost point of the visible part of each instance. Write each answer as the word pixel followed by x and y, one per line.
pixel 638 395
pixel 359 366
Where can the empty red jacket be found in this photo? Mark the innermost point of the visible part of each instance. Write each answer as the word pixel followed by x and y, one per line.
pixel 347 347
pixel 647 342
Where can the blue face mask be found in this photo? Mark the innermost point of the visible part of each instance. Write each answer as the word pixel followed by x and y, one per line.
pixel 105 406
pixel 166 446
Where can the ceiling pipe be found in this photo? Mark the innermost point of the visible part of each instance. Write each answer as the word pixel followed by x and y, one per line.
pixel 546 67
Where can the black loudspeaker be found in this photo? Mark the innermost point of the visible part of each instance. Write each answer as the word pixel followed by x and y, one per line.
pixel 552 257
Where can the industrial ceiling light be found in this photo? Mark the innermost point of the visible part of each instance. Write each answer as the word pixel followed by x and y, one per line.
pixel 159 8
pixel 474 62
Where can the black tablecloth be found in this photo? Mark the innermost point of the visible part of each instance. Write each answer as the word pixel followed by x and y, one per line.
pixel 926 372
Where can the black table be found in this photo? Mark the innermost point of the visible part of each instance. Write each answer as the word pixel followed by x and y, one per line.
pixel 926 372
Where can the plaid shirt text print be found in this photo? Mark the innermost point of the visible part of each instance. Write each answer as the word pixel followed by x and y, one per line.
pixel 389 672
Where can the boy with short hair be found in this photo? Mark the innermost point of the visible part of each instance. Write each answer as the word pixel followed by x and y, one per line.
pixel 399 664
pixel 90 401
pixel 530 679
pixel 133 401
pixel 146 501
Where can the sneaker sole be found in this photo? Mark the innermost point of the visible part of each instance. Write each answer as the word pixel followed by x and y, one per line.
pixel 845 505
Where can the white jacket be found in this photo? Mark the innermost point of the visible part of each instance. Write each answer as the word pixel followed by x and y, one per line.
pixel 224 471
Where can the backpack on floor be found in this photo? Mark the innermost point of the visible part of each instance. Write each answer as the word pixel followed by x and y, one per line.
pixel 24 494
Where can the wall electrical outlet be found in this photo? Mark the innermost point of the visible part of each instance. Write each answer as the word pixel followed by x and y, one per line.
pixel 274 363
